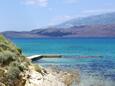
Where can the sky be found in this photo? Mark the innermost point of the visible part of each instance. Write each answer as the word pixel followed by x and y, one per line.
pixel 26 15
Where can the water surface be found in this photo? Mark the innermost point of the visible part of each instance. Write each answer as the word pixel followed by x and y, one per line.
pixel 93 57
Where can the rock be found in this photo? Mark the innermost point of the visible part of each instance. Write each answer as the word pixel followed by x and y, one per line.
pixel 37 79
pixel 1 84
pixel 67 79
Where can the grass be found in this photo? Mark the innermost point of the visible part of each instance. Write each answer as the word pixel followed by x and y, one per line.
pixel 8 45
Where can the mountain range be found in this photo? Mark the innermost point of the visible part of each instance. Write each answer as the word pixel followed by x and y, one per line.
pixel 107 18
pixel 93 26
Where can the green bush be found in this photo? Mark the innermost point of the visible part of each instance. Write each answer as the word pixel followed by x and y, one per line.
pixel 12 63
pixel 2 72
pixel 8 45
pixel 4 46
pixel 6 57
pixel 19 50
pixel 11 76
pixel 13 73
pixel 2 39
pixel 21 66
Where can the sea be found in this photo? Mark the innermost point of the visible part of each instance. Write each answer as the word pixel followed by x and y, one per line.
pixel 94 58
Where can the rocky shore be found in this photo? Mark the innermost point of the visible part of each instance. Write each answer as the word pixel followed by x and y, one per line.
pixel 47 77
pixel 17 70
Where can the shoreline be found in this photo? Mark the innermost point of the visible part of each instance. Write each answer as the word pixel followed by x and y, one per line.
pixel 49 77
pixel 96 77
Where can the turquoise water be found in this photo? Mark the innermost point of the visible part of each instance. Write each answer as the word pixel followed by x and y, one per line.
pixel 68 46
pixel 88 55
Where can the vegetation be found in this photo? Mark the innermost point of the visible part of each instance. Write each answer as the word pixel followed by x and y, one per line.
pixel 12 63
pixel 19 50
pixel 6 57
pixel 37 68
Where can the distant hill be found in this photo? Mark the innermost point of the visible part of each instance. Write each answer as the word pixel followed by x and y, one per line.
pixel 76 31
pixel 108 18
pixel 14 34
pixel 94 26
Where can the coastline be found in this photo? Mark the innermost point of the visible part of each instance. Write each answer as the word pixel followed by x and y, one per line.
pixel 80 71
pixel 50 77
pixel 17 70
pixel 89 73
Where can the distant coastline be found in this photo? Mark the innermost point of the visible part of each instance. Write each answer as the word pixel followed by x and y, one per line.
pixel 93 26
pixel 99 31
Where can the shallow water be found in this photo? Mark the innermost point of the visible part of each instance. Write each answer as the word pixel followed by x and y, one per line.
pixel 93 57
pixel 98 66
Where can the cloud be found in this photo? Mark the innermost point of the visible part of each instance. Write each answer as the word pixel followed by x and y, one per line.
pixel 59 19
pixel 71 1
pixel 98 11
pixel 66 17
pixel 42 3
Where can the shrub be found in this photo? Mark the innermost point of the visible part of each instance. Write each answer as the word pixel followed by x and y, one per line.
pixel 12 76
pixel 38 68
pixel 21 66
pixel 2 71
pixel 13 73
pixel 6 57
pixel 24 59
pixel 12 63
pixel 8 45
pixel 4 46
pixel 19 50
pixel 1 58
pixel 2 39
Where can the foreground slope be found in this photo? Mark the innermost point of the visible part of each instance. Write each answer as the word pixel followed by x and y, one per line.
pixel 12 63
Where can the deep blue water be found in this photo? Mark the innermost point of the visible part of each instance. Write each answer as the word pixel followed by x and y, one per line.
pixel 91 55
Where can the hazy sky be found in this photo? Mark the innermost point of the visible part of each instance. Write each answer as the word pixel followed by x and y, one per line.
pixel 31 14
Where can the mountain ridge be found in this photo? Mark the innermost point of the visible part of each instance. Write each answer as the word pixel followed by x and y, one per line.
pixel 83 31
pixel 107 18
pixel 95 26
